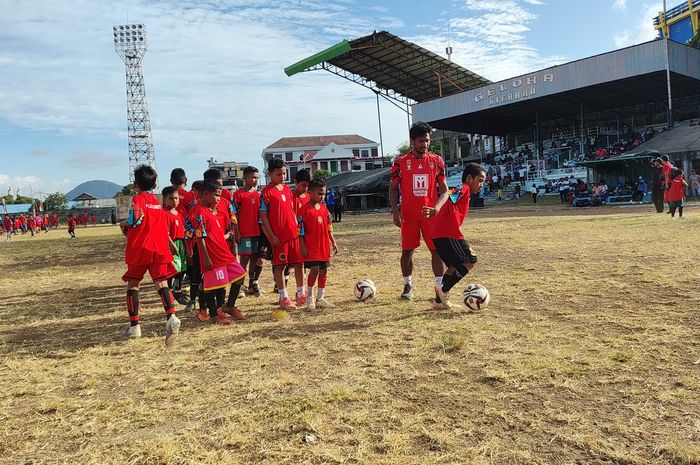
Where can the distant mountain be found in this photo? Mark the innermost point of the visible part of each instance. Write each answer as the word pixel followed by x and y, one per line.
pixel 100 189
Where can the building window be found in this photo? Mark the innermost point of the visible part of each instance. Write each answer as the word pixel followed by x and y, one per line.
pixel 324 165
pixel 288 156
pixel 364 153
pixel 268 156
pixel 293 172
pixel 278 156
pixel 355 153
pixel 369 165
pixel 375 152
pixel 357 167
pixel 334 166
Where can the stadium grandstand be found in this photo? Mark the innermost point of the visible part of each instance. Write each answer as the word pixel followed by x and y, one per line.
pixel 545 125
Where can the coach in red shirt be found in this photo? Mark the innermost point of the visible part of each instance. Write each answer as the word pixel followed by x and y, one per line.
pixel 420 176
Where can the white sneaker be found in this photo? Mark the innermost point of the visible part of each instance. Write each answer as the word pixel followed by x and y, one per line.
pixel 133 331
pixel 444 297
pixel 172 329
pixel 323 303
pixel 311 303
pixel 437 305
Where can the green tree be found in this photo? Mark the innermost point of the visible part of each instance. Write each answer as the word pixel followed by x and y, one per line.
pixel 22 199
pixel 55 201
pixel 695 41
pixel 321 175
pixel 127 190
pixel 406 147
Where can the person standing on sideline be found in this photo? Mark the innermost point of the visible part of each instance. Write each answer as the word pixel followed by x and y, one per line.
pixel 330 200
pixel 533 192
pixel 657 185
pixel 420 175
pixel 695 183
pixel 338 208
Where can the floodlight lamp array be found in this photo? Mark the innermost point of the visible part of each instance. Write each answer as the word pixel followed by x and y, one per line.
pixel 129 34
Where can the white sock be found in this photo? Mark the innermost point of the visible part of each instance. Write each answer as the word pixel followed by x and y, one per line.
pixel 321 292
pixel 300 290
pixel 438 281
pixel 283 293
pixel 310 291
pixel 408 280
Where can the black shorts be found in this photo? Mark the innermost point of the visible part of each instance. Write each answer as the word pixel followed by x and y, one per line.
pixel 264 248
pixel 321 265
pixel 454 252
pixel 196 276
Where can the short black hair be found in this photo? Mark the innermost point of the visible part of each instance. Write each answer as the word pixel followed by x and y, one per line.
pixel 473 170
pixel 169 190
pixel 664 157
pixel 302 175
pixel 419 128
pixel 316 184
pixel 212 174
pixel 274 164
pixel 209 186
pixel 177 177
pixel 145 177
pixel 676 172
pixel 197 186
pixel 249 170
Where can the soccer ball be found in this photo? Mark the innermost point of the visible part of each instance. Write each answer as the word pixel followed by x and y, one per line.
pixel 365 289
pixel 476 297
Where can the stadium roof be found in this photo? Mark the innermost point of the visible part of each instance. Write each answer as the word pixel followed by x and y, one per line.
pixel 621 159
pixel 362 181
pixel 623 78
pixel 393 67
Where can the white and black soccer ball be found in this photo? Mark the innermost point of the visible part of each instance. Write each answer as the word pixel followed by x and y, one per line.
pixel 365 289
pixel 476 297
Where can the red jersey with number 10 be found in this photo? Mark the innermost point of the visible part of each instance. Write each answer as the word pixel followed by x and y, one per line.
pixel 278 202
pixel 451 216
pixel 211 227
pixel 417 179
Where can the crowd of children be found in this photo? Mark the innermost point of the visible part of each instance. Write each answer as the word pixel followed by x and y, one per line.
pixel 23 224
pixel 215 239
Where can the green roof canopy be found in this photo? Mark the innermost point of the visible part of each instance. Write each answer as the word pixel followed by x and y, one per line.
pixel 327 54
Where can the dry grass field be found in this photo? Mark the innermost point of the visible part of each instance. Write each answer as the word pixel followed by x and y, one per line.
pixel 585 355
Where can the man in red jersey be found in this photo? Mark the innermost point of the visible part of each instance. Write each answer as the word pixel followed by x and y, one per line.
pixel 449 214
pixel 279 223
pixel 148 249
pixel 247 203
pixel 420 176
pixel 316 241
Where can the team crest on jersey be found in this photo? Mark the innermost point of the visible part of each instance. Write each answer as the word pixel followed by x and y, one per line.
pixel 432 165
pixel 420 185
pixel 283 257
pixel 408 165
pixel 320 220
pixel 420 166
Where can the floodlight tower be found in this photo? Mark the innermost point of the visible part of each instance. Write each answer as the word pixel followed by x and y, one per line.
pixel 130 45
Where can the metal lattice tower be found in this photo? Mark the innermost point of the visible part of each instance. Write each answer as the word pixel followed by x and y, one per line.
pixel 130 45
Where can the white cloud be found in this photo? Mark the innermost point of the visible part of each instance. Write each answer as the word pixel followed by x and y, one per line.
pixel 642 29
pixel 534 2
pixel 619 5
pixel 489 38
pixel 29 185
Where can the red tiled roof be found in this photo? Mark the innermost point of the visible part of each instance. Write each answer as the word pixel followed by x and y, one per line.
pixel 319 141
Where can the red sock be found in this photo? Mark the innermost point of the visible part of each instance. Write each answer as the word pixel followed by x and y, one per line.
pixel 311 281
pixel 322 282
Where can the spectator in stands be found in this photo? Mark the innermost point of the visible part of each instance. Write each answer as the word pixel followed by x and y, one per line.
pixel 563 190
pixel 517 191
pixel 695 183
pixel 641 190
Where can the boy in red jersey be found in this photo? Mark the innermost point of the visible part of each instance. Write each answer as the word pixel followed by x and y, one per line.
pixel 676 194
pixel 31 225
pixel 194 271
pixel 420 175
pixel 176 234
pixel 247 203
pixel 8 228
pixel 449 214
pixel 71 225
pixel 279 224
pixel 147 249
pixel 220 268
pixel 316 241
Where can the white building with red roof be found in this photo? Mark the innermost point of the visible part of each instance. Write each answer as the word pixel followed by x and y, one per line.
pixel 337 154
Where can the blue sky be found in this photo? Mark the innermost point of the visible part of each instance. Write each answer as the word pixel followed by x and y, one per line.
pixel 214 72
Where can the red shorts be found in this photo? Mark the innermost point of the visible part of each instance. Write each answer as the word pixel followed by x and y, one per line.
pixel 287 253
pixel 158 272
pixel 411 232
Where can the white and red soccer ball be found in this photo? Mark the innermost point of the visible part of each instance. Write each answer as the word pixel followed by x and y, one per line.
pixel 476 297
pixel 365 289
